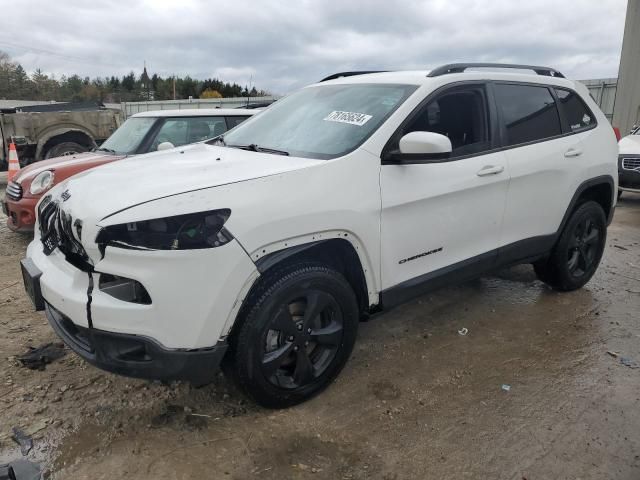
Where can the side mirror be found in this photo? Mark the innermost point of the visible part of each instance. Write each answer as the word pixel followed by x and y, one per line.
pixel 165 146
pixel 425 143
pixel 417 147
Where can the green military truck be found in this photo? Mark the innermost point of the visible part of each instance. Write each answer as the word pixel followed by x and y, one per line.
pixel 52 130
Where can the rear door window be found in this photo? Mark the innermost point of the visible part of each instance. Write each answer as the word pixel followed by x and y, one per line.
pixel 529 113
pixel 576 113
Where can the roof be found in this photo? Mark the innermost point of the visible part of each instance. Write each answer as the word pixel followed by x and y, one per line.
pixel 199 112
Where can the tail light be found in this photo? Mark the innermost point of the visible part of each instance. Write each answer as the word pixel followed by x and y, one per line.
pixel 616 130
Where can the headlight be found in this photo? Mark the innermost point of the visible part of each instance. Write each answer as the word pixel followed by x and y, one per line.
pixel 42 182
pixel 182 232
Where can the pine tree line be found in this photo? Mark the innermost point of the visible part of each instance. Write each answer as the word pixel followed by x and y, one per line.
pixel 17 84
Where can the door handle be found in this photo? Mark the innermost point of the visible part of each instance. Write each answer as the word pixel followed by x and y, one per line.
pixel 573 152
pixel 490 170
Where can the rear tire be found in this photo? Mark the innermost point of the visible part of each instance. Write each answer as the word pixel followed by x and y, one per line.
pixel 65 148
pixel 577 254
pixel 294 335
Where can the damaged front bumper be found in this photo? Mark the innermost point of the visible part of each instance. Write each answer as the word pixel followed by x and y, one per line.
pixel 177 332
pixel 137 356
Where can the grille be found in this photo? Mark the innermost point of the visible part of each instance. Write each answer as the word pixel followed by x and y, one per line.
pixel 631 163
pixel 14 191
pixel 56 231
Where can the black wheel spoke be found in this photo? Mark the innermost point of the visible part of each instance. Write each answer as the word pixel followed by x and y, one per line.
pixel 329 335
pixel 583 259
pixel 303 372
pixel 592 237
pixel 273 360
pixel 573 260
pixel 316 302
pixel 283 321
pixel 574 241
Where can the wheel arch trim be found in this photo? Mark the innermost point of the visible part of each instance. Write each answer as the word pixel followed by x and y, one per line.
pixel 583 187
pixel 270 254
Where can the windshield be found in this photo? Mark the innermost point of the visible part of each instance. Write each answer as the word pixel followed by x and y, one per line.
pixel 126 139
pixel 325 121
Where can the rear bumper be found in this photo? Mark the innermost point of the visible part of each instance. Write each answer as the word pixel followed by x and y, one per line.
pixel 21 215
pixel 135 355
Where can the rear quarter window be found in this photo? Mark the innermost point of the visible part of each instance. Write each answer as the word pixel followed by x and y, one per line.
pixel 577 114
pixel 529 113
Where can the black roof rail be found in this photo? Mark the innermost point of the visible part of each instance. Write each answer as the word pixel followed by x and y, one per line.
pixel 461 67
pixel 350 74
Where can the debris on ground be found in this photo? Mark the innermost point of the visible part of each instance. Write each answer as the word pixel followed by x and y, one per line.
pixel 167 417
pixel 36 358
pixel 7 473
pixel 177 415
pixel 621 247
pixel 506 387
pixel 613 354
pixel 21 470
pixel 628 362
pixel 463 331
pixel 21 438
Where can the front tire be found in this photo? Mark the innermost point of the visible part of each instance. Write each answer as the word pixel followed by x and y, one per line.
pixel 295 334
pixel 576 256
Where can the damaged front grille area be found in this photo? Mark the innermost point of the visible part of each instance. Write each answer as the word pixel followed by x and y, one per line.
pixel 56 231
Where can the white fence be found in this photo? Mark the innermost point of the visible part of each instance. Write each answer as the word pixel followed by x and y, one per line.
pixel 130 108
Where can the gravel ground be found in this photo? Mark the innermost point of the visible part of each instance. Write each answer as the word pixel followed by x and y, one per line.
pixel 417 400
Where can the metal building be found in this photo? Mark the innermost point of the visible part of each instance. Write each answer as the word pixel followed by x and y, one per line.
pixel 626 112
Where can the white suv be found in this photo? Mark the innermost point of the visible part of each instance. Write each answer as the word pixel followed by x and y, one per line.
pixel 261 250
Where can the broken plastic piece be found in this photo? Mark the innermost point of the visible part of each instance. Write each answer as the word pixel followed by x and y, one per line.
pixel 463 331
pixel 7 473
pixel 506 387
pixel 22 439
pixel 37 358
pixel 21 470
pixel 628 362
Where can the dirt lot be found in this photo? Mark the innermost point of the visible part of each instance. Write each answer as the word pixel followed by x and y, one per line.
pixel 417 400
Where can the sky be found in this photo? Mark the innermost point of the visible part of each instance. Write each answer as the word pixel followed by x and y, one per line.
pixel 282 45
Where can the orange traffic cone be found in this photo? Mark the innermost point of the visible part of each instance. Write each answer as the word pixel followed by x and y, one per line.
pixel 14 165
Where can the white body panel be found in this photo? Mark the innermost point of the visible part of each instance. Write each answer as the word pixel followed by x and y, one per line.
pixel 433 206
pixel 630 145
pixel 546 175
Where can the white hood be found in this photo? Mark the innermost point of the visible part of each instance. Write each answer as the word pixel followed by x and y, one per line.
pixel 629 145
pixel 120 185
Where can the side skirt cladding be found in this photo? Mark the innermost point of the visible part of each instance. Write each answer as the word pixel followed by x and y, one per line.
pixel 524 251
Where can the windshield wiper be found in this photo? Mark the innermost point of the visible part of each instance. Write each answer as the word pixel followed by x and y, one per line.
pixel 103 149
pixel 256 148
pixel 219 140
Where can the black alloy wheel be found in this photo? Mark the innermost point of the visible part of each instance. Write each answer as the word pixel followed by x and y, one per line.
pixel 577 253
pixel 294 334
pixel 302 339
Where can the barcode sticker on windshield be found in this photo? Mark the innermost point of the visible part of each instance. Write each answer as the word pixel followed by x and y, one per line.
pixel 348 117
